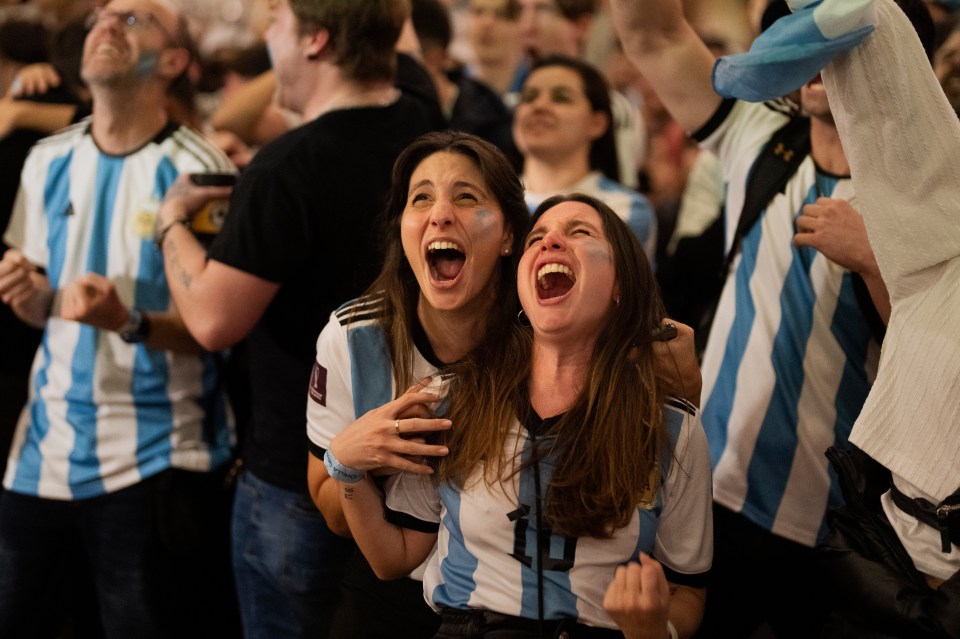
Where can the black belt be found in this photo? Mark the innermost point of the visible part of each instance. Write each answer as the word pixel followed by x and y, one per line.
pixel 944 516
pixel 476 623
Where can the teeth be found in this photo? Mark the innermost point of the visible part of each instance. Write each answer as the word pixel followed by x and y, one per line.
pixel 553 268
pixel 441 246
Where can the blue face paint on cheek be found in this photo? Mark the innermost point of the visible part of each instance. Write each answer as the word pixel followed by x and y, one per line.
pixel 486 223
pixel 147 63
pixel 600 253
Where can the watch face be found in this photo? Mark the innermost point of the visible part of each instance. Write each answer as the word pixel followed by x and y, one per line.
pixel 134 331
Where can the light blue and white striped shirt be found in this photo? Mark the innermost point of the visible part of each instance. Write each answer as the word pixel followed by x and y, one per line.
pixel 486 555
pixel 790 357
pixel 103 414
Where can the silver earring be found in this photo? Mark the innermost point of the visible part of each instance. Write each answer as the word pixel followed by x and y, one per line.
pixel 522 318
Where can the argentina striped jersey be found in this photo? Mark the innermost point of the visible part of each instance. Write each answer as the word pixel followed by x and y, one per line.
pixel 486 555
pixel 790 357
pixel 353 371
pixel 104 414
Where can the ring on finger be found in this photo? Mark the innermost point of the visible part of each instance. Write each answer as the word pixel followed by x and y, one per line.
pixel 396 426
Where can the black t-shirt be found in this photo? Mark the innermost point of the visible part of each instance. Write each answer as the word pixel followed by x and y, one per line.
pixel 302 215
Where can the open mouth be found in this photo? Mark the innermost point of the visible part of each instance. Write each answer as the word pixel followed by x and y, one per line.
pixel 446 261
pixel 554 280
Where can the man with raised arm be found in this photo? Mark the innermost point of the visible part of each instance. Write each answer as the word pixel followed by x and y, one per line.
pixel 791 355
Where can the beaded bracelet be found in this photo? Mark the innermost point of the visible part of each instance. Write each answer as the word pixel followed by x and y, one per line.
pixel 340 472
pixel 162 232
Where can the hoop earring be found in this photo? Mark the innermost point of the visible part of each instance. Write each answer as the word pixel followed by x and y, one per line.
pixel 522 318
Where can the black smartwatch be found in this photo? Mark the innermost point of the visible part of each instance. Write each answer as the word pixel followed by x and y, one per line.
pixel 137 327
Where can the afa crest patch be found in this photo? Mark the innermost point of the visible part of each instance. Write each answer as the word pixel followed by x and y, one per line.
pixel 318 384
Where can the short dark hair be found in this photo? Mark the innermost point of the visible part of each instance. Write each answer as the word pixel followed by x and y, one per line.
pixel 363 33
pixel 431 21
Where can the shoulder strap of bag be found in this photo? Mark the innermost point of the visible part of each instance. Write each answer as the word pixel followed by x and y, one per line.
pixel 771 171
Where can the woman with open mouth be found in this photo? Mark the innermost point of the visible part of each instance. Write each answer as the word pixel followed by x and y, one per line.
pixel 455 223
pixel 563 468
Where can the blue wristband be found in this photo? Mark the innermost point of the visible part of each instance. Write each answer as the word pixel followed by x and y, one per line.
pixel 340 472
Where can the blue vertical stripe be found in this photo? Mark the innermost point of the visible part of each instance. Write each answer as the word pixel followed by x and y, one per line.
pixel 457 569
pixel 854 338
pixel 151 372
pixel 558 598
pixel 56 204
pixel 84 473
pixel 370 368
pixel 717 409
pixel 769 467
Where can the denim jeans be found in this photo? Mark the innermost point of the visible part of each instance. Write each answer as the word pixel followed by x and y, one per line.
pixel 158 565
pixel 287 564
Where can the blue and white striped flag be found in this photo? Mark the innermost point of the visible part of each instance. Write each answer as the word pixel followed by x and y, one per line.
pixel 794 49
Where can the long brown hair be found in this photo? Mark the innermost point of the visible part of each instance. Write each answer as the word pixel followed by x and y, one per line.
pixel 397 284
pixel 606 449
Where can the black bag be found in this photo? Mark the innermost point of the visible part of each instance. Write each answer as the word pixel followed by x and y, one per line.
pixel 875 590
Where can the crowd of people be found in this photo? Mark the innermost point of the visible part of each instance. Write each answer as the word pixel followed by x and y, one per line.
pixel 479 318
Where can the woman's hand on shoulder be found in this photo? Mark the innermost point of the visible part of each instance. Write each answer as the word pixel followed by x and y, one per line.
pixel 392 436
pixel 638 599
pixel 678 370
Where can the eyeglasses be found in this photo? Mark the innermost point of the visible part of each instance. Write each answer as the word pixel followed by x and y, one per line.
pixel 131 21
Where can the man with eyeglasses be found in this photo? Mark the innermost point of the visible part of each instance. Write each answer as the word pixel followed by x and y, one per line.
pixel 118 454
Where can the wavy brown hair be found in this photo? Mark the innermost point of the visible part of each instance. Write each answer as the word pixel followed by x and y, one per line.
pixel 606 449
pixel 397 284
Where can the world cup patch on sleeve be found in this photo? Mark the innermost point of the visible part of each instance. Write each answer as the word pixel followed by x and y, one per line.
pixel 318 384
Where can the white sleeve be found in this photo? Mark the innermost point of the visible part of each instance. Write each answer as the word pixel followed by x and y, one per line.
pixel 413 501
pixel 27 229
pixel 684 541
pixel 330 393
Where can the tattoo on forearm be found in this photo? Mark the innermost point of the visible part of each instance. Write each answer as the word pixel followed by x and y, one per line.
pixel 348 492
pixel 177 270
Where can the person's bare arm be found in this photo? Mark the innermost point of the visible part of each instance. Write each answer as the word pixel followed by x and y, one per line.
pixel 36 116
pixel 671 56
pixel 678 370
pixel 325 494
pixel 219 304
pixel 833 227
pixel 251 114
pixel 92 299
pixel 392 552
